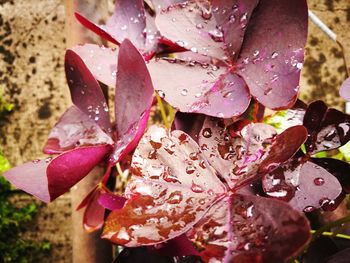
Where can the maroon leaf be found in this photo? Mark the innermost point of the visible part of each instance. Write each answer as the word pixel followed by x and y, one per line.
pixel 101 62
pixel 190 123
pixel 170 190
pixel 192 27
pixel 245 228
pixel 328 128
pixel 99 30
pixel 133 100
pixel 306 186
pixel 207 88
pixel 85 91
pixel 232 17
pixel 273 50
pixel 345 90
pixel 74 129
pixel 111 201
pixel 94 213
pixel 178 246
pixel 50 178
pixel 284 147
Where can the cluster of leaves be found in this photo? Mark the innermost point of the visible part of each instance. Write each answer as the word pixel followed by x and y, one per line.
pixel 219 184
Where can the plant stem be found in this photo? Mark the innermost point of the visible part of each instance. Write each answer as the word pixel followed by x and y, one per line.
pixel 331 234
pixel 162 111
pixel 324 229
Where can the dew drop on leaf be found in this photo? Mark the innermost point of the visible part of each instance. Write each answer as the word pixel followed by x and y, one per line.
pixel 318 181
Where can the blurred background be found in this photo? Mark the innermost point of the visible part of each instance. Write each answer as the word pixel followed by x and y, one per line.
pixel 33 93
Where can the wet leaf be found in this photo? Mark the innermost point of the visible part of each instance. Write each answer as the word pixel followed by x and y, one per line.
pixel 85 91
pixel 75 129
pixel 245 228
pixel 170 190
pixel 49 178
pixel 273 51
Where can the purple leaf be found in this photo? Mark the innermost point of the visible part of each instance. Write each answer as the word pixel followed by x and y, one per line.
pixel 232 17
pixel 99 30
pixel 273 51
pixel 128 22
pixel 133 100
pixel 345 90
pixel 306 186
pixel 170 190
pixel 192 27
pixel 101 62
pixel 245 228
pixel 207 89
pixel 50 178
pixel 74 129
pixel 111 201
pixel 85 91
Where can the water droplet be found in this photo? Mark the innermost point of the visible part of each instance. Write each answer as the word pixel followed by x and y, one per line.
pixel 190 169
pixel 309 209
pixel 220 114
pixel 36 161
pixel 206 14
pixel 125 27
pixel 256 53
pixel 71 68
pixel 216 35
pixel 319 181
pixel 71 81
pixel 184 92
pixel 48 159
pixel 194 156
pixel 96 118
pixel 180 43
pixel 324 201
pixel 196 188
pixel 274 55
pixel 198 94
pixel 161 94
pixel 232 18
pixel 207 133
pixel 173 19
pixel 199 26
pixel 194 49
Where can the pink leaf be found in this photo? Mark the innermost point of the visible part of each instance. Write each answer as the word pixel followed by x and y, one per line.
pixel 101 62
pixel 202 88
pixel 171 189
pixel 85 91
pixel 75 129
pixel 99 30
pixel 133 100
pixel 192 27
pixel 245 228
pixel 128 22
pixel 111 201
pixel 236 158
pixel 345 90
pixel 273 50
pixel 50 178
